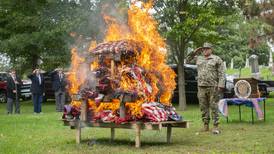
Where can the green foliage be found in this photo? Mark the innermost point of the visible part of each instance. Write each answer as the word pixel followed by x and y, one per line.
pixel 187 24
pixel 34 30
pixel 234 39
pixel 190 23
pixel 4 62
pixel 262 10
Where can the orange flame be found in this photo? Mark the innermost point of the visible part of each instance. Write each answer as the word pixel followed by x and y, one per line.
pixel 141 28
pixel 75 79
pixel 76 103
pixel 92 45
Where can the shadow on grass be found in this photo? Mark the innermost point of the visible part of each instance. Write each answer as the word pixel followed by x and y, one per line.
pixel 244 122
pixel 123 142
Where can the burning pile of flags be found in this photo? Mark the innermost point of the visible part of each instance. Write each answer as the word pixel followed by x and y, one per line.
pixel 128 71
pixel 117 77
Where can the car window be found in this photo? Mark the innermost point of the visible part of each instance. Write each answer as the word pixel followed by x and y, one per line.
pixel 190 74
pixel 3 77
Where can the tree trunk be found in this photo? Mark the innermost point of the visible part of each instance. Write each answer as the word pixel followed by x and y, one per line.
pixel 35 59
pixel 181 85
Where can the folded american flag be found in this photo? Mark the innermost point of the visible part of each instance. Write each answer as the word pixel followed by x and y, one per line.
pixel 109 116
pixel 71 112
pixel 157 112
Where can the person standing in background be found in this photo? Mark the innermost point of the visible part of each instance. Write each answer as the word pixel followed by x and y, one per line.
pixel 13 92
pixel 59 86
pixel 37 89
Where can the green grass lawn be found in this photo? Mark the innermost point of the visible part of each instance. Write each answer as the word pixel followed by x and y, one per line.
pixel 29 133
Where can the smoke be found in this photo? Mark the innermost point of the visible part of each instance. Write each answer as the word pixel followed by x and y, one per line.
pixel 89 80
pixel 93 29
pixel 114 13
pixel 105 13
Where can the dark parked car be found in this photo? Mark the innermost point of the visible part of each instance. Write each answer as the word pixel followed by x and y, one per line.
pixel 25 88
pixel 3 87
pixel 191 88
pixel 264 88
pixel 49 93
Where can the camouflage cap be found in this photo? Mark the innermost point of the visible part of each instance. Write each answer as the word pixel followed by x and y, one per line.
pixel 207 45
pixel 59 69
pixel 12 70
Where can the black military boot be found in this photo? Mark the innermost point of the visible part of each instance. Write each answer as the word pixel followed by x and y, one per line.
pixel 205 128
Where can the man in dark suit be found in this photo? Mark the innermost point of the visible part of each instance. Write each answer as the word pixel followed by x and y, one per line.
pixel 37 89
pixel 59 86
pixel 13 92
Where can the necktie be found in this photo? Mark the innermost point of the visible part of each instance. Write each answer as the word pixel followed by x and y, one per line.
pixel 39 78
pixel 14 79
pixel 60 77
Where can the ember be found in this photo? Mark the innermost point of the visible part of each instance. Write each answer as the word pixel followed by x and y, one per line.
pixel 127 71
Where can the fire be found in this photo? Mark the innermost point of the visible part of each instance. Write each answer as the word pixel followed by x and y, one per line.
pixel 115 30
pixel 92 45
pixel 75 79
pixel 76 103
pixel 141 28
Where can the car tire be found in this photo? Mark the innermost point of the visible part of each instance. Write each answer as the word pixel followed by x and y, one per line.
pixel 264 91
pixel 3 97
pixel 23 98
pixel 44 99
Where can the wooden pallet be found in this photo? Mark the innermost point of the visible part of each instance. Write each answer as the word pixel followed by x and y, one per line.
pixel 137 126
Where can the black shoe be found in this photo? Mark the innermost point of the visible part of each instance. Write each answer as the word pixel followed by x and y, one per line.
pixel 205 128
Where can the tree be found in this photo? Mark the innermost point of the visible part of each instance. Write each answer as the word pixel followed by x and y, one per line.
pixel 187 24
pixel 234 40
pixel 249 32
pixel 4 62
pixel 262 10
pixel 34 31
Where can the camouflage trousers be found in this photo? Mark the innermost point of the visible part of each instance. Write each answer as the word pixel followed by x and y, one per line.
pixel 208 100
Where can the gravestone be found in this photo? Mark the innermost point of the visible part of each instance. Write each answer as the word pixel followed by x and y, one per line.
pixel 272 69
pixel 225 65
pixel 254 65
pixel 232 64
pixel 270 63
pixel 246 62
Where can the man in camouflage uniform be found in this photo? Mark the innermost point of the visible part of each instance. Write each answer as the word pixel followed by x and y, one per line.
pixel 211 82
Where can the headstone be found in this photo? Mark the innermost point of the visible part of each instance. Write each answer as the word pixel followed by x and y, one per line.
pixel 270 63
pixel 272 69
pixel 253 60
pixel 246 62
pixel 232 64
pixel 225 65
pixel 270 43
